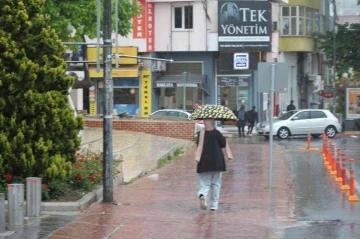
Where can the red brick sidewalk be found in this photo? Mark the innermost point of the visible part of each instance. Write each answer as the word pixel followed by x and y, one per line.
pixel 168 207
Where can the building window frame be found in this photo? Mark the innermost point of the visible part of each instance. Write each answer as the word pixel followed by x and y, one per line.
pixel 299 21
pixel 186 23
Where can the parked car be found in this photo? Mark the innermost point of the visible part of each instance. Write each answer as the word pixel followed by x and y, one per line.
pixel 299 122
pixel 199 125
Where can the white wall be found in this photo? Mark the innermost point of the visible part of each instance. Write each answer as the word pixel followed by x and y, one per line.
pixel 167 39
pixel 291 59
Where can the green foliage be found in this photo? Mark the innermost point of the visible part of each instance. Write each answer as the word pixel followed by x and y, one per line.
pixel 347 47
pixel 38 131
pixel 81 14
pixel 87 171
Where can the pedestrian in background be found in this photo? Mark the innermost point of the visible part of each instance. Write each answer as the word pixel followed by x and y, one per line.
pixel 241 123
pixel 291 106
pixel 210 156
pixel 253 118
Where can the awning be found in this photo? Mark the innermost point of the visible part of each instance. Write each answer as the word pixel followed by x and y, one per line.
pixel 122 71
pixel 173 81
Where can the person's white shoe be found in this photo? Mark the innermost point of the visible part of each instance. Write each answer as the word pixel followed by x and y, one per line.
pixel 203 204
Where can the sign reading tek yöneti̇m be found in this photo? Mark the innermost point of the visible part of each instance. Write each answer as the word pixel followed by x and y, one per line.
pixel 244 26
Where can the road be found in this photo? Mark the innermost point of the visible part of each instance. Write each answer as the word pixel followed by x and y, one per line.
pixel 322 209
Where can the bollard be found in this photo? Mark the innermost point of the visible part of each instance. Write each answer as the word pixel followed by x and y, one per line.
pixel 333 160
pixel 2 213
pixel 344 186
pixel 352 196
pixel 323 145
pixel 330 153
pixel 326 161
pixel 338 166
pixel 33 197
pixel 16 204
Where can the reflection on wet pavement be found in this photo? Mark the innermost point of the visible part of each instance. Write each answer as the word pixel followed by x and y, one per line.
pixel 322 209
pixel 41 228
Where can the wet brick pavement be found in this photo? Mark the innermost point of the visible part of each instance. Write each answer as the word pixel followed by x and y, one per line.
pixel 164 204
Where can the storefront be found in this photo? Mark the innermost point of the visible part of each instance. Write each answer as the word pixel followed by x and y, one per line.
pixel 126 82
pixel 170 90
pixel 235 91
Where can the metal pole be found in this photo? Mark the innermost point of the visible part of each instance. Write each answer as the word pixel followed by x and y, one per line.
pixel 2 213
pixel 143 57
pixel 334 56
pixel 117 31
pixel 184 90
pixel 98 15
pixel 108 107
pixel 33 197
pixel 271 137
pixel 16 204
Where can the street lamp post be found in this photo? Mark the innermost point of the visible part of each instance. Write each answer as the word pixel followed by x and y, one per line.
pixel 334 56
pixel 108 106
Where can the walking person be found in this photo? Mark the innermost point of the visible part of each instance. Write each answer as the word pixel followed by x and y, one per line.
pixel 241 123
pixel 291 106
pixel 210 156
pixel 253 118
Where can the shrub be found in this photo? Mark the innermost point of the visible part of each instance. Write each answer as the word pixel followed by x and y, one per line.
pixel 38 131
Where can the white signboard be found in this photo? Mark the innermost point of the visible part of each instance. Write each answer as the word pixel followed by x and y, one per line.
pixel 241 61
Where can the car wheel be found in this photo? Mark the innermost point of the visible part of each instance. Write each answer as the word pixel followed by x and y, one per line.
pixel 330 131
pixel 316 136
pixel 283 133
pixel 266 137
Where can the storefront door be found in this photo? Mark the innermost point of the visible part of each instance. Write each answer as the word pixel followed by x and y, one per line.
pixel 235 91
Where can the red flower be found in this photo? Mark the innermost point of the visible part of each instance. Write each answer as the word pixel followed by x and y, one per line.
pixel 91 177
pixel 79 176
pixel 78 166
pixel 8 177
pixel 46 186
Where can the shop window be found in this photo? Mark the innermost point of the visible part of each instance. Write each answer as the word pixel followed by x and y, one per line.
pixel 183 17
pixel 299 21
pixel 176 100
pixel 126 99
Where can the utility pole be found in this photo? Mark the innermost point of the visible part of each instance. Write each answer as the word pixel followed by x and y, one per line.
pixel 108 196
pixel 334 56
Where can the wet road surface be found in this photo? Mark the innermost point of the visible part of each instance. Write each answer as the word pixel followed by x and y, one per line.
pixel 322 209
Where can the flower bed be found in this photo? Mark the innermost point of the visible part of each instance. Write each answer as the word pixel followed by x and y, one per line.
pixel 86 176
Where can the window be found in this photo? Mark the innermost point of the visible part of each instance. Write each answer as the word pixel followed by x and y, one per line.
pixel 160 113
pixel 303 115
pixel 183 18
pixel 299 21
pixel 126 96
pixel 318 115
pixel 173 113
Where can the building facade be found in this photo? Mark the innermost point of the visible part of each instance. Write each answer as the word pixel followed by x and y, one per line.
pixel 215 45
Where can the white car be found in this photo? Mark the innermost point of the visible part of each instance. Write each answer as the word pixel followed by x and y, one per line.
pixel 199 125
pixel 300 122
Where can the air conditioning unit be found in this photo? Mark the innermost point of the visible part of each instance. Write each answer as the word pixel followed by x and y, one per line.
pixel 159 66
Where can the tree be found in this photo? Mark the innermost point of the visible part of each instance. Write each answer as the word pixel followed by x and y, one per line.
pixel 38 131
pixel 347 47
pixel 81 14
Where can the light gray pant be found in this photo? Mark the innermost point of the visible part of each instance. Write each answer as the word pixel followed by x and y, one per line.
pixel 211 180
